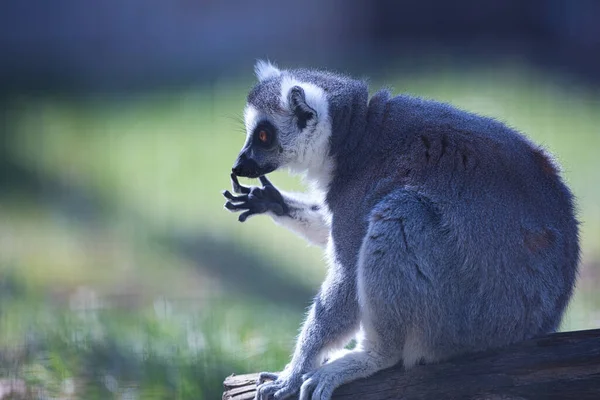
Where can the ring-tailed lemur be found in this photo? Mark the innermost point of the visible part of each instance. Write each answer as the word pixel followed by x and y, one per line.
pixel 446 232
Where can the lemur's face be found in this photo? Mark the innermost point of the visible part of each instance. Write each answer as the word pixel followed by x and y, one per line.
pixel 287 124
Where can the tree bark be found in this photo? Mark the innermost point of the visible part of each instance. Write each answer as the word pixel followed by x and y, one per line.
pixel 558 366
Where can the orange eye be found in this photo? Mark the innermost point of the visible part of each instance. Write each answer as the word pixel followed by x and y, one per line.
pixel 263 136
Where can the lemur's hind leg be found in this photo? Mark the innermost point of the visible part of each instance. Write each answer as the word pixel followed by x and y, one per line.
pixel 394 285
pixel 370 355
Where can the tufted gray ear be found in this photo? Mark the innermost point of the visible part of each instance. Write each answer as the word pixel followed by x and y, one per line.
pixel 265 70
pixel 302 111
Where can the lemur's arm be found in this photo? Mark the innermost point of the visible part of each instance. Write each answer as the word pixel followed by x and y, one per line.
pixel 300 215
pixel 304 217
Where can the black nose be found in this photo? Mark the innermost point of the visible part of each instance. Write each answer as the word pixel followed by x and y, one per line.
pixel 238 166
pixel 245 166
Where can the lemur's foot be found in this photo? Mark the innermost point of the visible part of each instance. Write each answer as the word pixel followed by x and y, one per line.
pixel 279 386
pixel 255 200
pixel 319 384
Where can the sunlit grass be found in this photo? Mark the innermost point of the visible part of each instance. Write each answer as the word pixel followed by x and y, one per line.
pixel 162 351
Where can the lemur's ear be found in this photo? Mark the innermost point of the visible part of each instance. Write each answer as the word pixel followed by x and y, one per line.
pixel 265 70
pixel 302 111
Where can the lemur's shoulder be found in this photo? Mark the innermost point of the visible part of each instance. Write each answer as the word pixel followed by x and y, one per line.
pixel 409 115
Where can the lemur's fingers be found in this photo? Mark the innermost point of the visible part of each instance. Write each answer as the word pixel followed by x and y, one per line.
pixel 307 389
pixel 265 181
pixel 284 392
pixel 237 188
pixel 231 197
pixel 244 216
pixel 266 391
pixel 266 376
pixel 237 207
pixel 308 375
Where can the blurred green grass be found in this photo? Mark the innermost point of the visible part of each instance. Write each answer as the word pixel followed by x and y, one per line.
pixel 118 174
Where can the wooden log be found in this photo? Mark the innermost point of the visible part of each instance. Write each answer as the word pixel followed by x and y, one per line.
pixel 558 366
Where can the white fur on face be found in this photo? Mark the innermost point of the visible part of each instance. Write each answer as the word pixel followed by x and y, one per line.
pixel 251 119
pixel 251 116
pixel 312 144
pixel 265 70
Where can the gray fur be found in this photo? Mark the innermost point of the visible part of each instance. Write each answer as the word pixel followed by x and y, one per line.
pixel 449 233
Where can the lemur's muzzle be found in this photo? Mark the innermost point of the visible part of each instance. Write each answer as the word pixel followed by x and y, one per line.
pixel 248 168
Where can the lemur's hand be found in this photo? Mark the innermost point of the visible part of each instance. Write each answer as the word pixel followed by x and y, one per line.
pixel 280 386
pixel 255 199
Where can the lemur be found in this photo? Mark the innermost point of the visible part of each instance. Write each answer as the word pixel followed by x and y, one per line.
pixel 446 232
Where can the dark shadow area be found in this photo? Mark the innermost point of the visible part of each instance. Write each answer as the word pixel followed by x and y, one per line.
pixel 241 270
pixel 19 178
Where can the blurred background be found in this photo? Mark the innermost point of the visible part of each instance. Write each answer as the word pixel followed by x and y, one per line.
pixel 121 276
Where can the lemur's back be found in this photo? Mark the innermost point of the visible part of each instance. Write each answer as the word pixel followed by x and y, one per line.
pixel 471 164
pixel 511 236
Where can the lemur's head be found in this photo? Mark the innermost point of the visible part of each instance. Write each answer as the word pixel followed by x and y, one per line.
pixel 288 120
